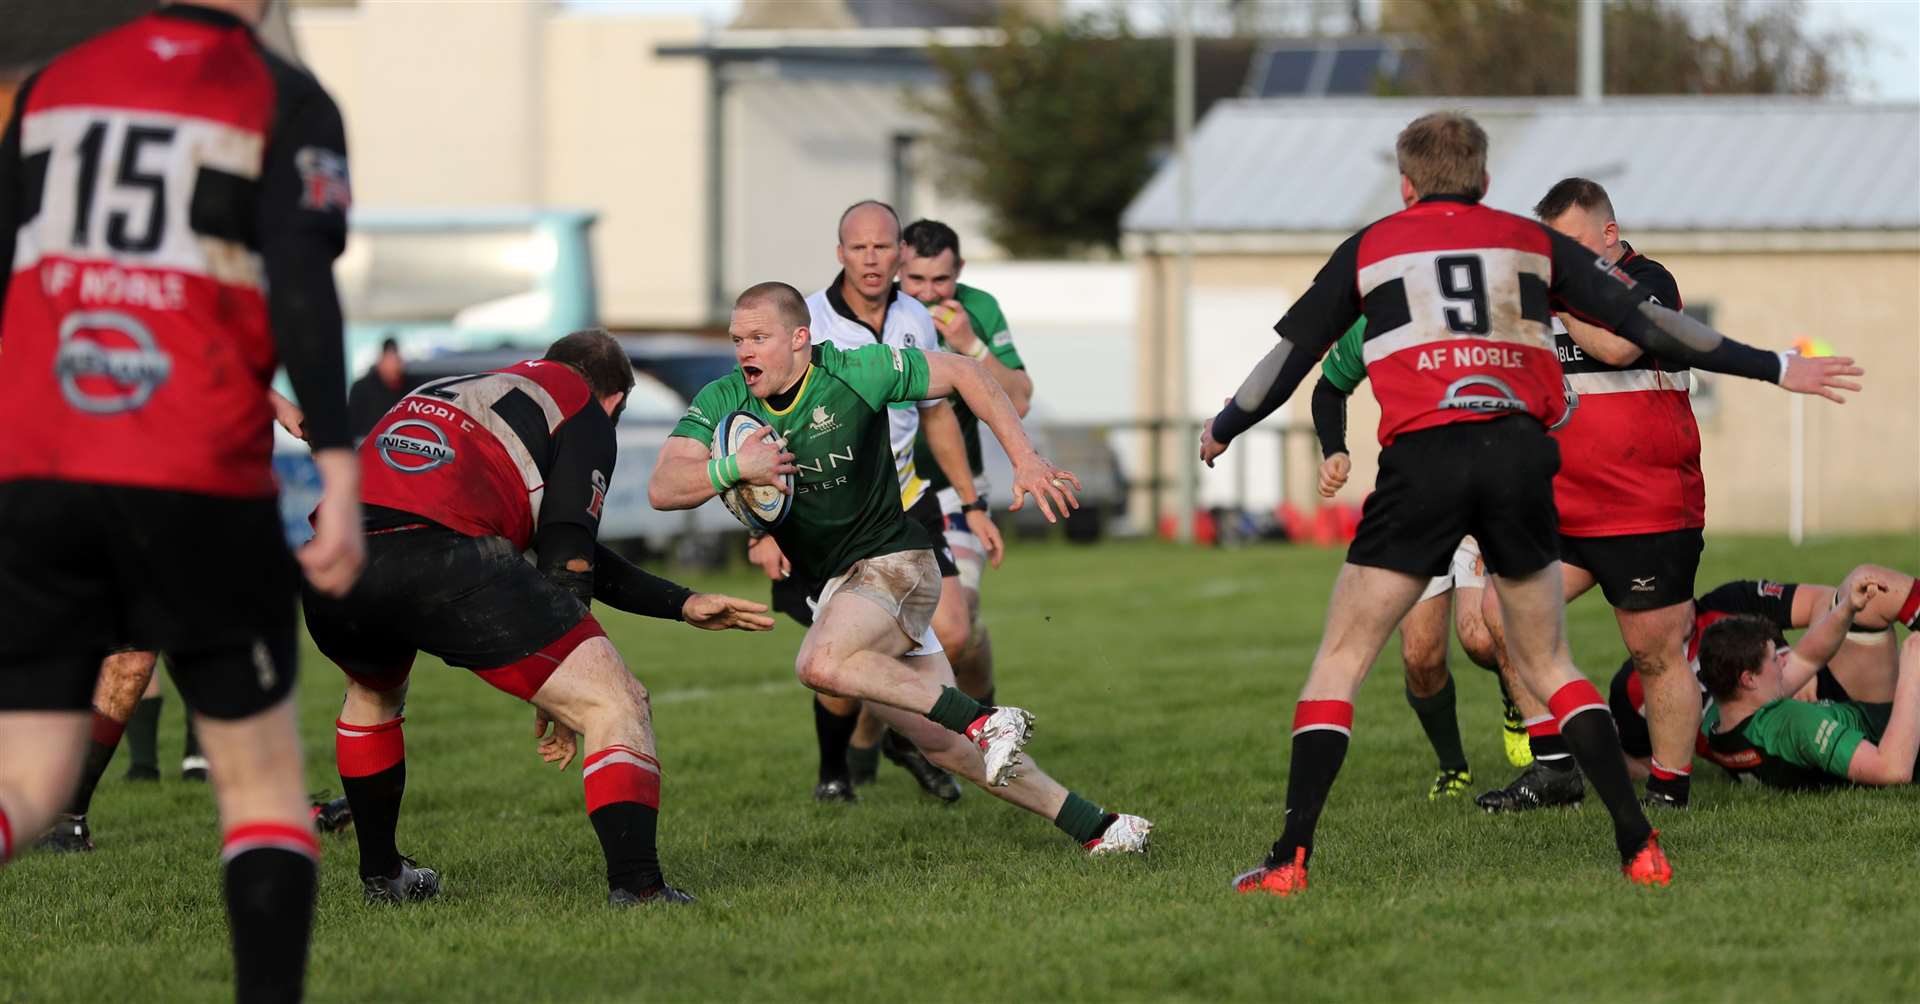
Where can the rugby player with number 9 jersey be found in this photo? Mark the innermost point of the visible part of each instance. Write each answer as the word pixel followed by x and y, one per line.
pixel 1456 298
pixel 872 638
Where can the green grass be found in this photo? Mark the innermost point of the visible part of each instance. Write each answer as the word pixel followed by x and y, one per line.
pixel 1164 680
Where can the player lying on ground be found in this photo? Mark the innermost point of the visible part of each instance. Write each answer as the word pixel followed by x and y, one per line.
pixel 1862 670
pixel 1423 632
pixel 461 477
pixel 1632 504
pixel 1757 727
pixel 1461 355
pixel 872 638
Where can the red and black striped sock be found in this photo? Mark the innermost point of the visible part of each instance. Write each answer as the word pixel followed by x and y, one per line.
pixel 270 871
pixel 1588 727
pixel 1548 745
pixel 623 804
pixel 373 773
pixel 1321 731
pixel 6 837
pixel 1910 609
pixel 106 739
pixel 1675 783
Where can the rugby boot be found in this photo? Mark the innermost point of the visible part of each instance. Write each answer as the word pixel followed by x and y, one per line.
pixel 932 780
pixel 409 883
pixel 663 893
pixel 1124 835
pixel 1002 734
pixel 1537 787
pixel 143 772
pixel 1449 783
pixel 1275 878
pixel 69 835
pixel 1662 800
pixel 1649 866
pixel 331 815
pixel 1513 735
pixel 193 768
pixel 835 789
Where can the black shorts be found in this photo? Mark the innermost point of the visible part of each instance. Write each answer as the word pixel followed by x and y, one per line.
pixel 1629 714
pixel 1491 479
pixel 474 602
pixel 88 569
pixel 795 596
pixel 1827 687
pixel 926 512
pixel 1641 571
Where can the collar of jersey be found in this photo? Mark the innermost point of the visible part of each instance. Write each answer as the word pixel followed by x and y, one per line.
pixel 1424 199
pixel 205 15
pixel 798 393
pixel 838 301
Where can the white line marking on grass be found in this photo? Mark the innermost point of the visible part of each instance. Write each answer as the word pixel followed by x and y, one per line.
pixel 703 693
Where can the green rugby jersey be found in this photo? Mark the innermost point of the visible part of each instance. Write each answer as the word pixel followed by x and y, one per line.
pixel 846 503
pixel 1803 744
pixel 1345 364
pixel 991 325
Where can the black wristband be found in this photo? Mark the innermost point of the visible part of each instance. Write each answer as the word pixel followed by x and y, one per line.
pixel 979 504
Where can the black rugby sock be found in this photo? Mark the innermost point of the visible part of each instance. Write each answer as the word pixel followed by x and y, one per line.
pixel 143 736
pixel 1588 727
pixel 628 833
pixel 1438 721
pixel 833 733
pixel 1321 731
pixel 270 877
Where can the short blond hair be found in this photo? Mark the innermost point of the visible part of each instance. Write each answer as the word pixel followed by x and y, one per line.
pixel 1444 153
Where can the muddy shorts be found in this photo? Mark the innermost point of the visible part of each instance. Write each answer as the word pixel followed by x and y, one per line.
pixel 906 584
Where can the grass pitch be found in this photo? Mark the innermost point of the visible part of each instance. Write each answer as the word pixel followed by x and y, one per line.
pixel 1163 679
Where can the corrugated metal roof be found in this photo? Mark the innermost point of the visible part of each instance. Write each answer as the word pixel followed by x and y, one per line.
pixel 1675 164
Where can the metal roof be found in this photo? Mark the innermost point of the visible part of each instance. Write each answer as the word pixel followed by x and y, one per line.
pixel 1670 164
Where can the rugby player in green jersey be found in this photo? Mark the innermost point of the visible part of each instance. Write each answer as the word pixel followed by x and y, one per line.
pixel 1423 631
pixel 971 323
pixel 872 638
pixel 1756 727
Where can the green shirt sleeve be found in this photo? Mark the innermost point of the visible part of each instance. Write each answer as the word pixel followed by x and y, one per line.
pixel 983 309
pixel 880 374
pixel 708 407
pixel 1346 364
pixel 1816 736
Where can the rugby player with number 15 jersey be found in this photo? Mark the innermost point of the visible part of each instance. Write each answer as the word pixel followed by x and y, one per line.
pixel 1458 346
pixel 172 198
pixel 872 637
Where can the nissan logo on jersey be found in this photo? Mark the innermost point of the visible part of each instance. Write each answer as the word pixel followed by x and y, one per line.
pixel 108 362
pixel 1502 397
pixel 413 454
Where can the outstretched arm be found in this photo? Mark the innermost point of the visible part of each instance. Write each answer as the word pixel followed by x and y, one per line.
pixel 1032 474
pixel 1823 640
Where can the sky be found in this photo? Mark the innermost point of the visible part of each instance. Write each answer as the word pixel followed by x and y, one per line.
pixel 1888 71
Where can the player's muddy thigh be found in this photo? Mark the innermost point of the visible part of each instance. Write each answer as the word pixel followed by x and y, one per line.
pixel 595 695
pixel 1573 582
pixel 1657 641
pixel 41 754
pixel 1533 619
pixel 1367 604
pixel 258 774
pixel 1423 645
pixel 1470 626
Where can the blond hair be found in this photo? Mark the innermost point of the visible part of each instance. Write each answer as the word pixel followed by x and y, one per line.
pixel 1444 153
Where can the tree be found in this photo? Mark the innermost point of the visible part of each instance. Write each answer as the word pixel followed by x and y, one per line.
pixel 1054 131
pixel 1528 47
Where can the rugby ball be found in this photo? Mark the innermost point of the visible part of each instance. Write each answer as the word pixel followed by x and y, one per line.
pixel 758 507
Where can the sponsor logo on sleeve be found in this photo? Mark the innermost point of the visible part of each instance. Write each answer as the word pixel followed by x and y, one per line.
pixel 599 499
pixel 323 179
pixel 1772 590
pixel 898 366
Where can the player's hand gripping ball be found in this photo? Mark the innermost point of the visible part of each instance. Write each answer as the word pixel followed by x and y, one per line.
pixel 758 507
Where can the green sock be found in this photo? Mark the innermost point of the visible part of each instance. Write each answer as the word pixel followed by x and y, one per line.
pixel 143 728
pixel 955 711
pixel 1080 819
pixel 1441 726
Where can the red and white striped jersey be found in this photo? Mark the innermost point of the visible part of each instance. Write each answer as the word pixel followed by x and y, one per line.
pixel 152 180
pixel 1630 449
pixel 496 454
